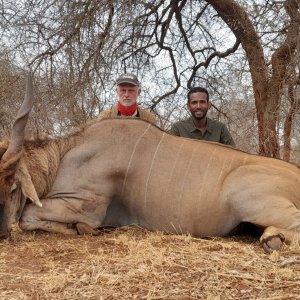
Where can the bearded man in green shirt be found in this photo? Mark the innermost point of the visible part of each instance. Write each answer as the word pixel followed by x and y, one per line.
pixel 199 126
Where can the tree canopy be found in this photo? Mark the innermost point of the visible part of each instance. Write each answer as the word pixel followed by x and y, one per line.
pixel 245 52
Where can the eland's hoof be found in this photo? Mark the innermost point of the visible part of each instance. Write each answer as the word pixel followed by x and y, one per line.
pixel 83 229
pixel 272 242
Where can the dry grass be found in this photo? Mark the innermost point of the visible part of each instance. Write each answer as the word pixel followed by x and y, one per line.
pixel 138 264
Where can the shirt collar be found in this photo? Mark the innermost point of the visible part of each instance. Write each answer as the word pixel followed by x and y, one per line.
pixel 192 127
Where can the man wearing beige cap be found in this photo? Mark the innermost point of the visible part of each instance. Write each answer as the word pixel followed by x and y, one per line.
pixel 128 90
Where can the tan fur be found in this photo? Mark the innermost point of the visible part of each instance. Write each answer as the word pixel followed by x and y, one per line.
pixel 3 147
pixel 126 171
pixel 42 159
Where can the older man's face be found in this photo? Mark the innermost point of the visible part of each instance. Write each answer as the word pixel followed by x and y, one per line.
pixel 128 93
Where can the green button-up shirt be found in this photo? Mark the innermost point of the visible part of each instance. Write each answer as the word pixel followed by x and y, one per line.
pixel 215 131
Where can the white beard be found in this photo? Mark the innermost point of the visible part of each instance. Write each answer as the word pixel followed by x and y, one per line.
pixel 126 103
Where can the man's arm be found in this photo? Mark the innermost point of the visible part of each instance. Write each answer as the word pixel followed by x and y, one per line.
pixel 148 116
pixel 174 130
pixel 109 113
pixel 226 137
pixel 103 115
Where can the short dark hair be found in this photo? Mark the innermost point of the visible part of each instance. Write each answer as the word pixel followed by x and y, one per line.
pixel 197 89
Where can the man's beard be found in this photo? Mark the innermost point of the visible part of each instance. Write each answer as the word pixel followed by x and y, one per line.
pixel 199 118
pixel 127 104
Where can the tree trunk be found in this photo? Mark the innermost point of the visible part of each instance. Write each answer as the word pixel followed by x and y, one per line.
pixel 267 88
pixel 289 122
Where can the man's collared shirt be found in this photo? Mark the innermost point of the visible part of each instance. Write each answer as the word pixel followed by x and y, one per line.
pixel 215 131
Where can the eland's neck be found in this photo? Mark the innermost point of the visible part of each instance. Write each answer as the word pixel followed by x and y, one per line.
pixel 43 160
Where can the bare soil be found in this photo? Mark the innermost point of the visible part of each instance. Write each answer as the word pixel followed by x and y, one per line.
pixel 131 263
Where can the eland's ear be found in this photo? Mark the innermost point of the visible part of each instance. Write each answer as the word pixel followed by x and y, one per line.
pixel 27 186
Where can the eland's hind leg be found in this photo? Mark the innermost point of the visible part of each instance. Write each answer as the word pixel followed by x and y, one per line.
pixel 279 216
pixel 265 195
pixel 273 238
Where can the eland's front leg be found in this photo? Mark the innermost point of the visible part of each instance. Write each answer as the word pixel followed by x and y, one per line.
pixel 57 213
